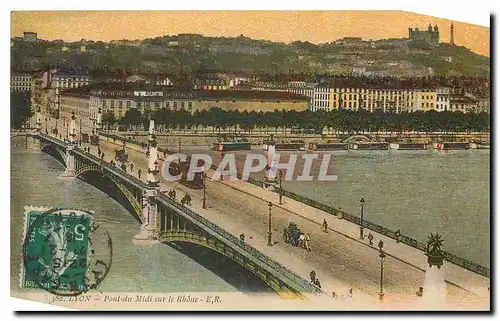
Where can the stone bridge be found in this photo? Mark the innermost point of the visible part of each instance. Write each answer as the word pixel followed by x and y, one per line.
pixel 164 220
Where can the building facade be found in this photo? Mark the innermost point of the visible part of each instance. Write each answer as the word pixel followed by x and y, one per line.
pixel 22 82
pixel 431 35
pixel 30 36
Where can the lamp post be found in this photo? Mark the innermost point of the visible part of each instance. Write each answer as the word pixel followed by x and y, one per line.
pixel 382 257
pixel 269 233
pixel 362 204
pixel 204 189
pixel 179 144
pixel 280 175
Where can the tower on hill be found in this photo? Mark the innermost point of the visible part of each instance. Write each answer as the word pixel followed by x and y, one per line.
pixel 452 35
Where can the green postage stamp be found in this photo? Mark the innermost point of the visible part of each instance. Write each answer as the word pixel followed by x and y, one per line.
pixel 57 251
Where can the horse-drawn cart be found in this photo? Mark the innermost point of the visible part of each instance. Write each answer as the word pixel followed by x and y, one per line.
pixel 292 234
pixel 121 156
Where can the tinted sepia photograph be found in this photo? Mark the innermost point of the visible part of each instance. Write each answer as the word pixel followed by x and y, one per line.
pixel 250 161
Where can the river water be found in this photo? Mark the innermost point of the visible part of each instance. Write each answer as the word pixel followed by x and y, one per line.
pixel 418 192
pixel 35 180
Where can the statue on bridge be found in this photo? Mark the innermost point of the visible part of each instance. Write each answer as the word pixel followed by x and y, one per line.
pixel 435 255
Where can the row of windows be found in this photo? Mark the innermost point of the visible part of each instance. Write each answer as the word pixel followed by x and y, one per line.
pixel 71 79
pixel 20 79
pixel 148 104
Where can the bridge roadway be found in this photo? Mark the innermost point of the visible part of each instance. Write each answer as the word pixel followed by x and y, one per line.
pixel 341 261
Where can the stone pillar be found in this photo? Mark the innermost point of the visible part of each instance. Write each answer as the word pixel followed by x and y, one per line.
pixel 38 124
pixel 153 157
pixel 147 232
pixel 32 141
pixel 72 129
pixel 272 161
pixel 70 162
pixel 99 120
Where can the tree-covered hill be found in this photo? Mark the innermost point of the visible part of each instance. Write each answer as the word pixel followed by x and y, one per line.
pixel 167 54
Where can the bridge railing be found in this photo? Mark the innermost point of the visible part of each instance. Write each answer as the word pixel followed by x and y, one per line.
pixel 53 139
pixel 248 248
pixel 452 258
pixel 111 168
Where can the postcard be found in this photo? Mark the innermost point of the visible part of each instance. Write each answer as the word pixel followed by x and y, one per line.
pixel 251 161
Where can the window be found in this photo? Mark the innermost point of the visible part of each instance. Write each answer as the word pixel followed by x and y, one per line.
pixel 175 104
pixel 128 103
pixel 182 104
pixel 167 104
pixel 157 104
pixel 190 105
pixel 120 104
pixel 112 104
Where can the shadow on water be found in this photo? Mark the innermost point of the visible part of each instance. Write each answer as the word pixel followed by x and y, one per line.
pixel 222 266
pixel 50 150
pixel 107 186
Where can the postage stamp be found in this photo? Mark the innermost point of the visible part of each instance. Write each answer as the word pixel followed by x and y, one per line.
pixel 58 252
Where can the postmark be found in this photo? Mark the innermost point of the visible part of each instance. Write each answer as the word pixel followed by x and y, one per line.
pixel 65 252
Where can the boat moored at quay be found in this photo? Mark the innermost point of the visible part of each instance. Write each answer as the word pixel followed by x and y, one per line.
pixel 369 146
pixel 453 146
pixel 288 146
pixel 328 146
pixel 408 146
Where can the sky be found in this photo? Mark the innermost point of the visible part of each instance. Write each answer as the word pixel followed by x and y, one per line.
pixel 283 26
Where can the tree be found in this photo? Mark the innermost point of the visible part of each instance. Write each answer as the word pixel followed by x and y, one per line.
pixel 20 109
pixel 109 119
pixel 131 118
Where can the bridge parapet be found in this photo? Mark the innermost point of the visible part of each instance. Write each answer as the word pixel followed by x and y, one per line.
pixel 287 276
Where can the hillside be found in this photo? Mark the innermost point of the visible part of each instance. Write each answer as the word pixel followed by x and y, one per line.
pixel 396 57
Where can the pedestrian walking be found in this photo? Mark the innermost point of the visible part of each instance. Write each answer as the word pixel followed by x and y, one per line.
pixel 340 215
pixel 242 237
pixel 398 235
pixel 370 238
pixel 317 283
pixel 307 241
pixel 325 226
pixel 131 167
pixel 139 173
pixel 312 275
pixel 350 292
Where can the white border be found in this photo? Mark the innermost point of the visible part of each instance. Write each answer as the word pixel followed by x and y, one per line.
pixel 476 12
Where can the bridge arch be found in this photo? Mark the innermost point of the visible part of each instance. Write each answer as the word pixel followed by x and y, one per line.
pixel 173 227
pixel 132 197
pixel 54 151
pixel 204 240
